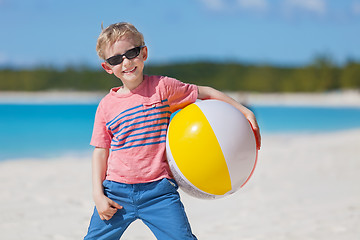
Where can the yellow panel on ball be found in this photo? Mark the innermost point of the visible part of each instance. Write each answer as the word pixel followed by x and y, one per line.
pixel 197 153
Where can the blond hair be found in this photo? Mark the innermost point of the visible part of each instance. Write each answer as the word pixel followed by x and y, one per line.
pixel 115 32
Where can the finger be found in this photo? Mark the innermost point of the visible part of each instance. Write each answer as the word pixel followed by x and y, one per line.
pixel 110 212
pixel 258 140
pixel 115 205
pixel 107 216
pixel 256 130
pixel 257 137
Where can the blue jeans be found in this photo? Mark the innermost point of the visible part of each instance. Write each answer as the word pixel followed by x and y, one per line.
pixel 157 204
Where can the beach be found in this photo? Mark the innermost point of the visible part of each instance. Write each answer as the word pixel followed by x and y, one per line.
pixel 350 98
pixel 305 186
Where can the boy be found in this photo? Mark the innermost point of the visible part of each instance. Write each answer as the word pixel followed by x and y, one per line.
pixel 133 181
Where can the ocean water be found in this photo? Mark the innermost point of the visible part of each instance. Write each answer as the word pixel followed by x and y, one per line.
pixel 306 119
pixel 43 131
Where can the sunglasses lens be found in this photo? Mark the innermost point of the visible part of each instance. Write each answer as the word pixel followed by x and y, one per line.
pixel 132 53
pixel 115 60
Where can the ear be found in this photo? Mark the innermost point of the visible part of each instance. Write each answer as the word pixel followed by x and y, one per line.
pixel 145 53
pixel 107 68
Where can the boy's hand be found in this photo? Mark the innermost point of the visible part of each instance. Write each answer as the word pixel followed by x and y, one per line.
pixel 106 207
pixel 251 118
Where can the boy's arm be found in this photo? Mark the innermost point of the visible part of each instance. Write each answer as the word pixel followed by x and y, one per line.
pixel 211 93
pixel 105 206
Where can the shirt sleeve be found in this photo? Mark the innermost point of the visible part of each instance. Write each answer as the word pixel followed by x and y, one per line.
pixel 101 136
pixel 179 94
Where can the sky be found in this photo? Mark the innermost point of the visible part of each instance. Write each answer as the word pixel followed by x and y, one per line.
pixel 280 32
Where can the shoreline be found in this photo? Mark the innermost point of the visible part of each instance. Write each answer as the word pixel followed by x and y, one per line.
pixel 328 99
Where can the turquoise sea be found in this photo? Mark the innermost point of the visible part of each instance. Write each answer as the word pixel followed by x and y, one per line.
pixel 51 130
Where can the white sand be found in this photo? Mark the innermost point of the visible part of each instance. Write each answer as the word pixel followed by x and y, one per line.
pixel 339 98
pixel 304 187
pixel 51 97
pixel 349 98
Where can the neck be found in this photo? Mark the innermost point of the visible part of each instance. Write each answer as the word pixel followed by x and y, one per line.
pixel 128 87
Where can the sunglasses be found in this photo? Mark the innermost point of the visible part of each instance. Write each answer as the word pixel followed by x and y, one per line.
pixel 130 54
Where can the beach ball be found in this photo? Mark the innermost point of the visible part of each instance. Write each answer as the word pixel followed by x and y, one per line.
pixel 211 149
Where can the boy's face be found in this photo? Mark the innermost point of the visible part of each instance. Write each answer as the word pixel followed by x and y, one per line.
pixel 130 71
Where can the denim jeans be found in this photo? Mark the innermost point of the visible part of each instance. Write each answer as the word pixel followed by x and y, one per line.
pixel 157 204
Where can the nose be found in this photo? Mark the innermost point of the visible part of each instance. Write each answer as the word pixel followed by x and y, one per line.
pixel 125 61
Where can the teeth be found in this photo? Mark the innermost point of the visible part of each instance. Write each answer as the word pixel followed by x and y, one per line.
pixel 129 70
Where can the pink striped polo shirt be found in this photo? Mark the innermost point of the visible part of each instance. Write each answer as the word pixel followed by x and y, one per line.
pixel 134 127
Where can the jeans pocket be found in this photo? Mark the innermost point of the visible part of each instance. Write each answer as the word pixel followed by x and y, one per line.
pixel 106 184
pixel 172 183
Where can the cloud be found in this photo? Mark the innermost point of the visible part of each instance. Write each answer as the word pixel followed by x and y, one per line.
pixel 288 9
pixel 291 7
pixel 356 7
pixel 256 5
pixel 214 4
pixel 313 6
pixel 236 5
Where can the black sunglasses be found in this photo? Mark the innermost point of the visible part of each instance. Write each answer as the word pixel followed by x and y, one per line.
pixel 130 54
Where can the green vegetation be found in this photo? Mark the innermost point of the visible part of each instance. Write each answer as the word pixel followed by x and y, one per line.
pixel 321 75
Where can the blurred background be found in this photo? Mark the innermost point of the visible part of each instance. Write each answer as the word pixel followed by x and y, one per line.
pixel 253 46
pixel 248 45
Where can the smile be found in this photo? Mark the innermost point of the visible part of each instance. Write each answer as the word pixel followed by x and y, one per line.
pixel 130 71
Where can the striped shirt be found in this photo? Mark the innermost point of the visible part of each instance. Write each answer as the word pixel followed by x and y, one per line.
pixel 134 127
